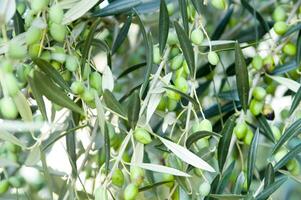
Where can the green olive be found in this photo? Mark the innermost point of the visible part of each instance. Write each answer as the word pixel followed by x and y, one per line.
pixel 16 50
pixel 186 68
pixel 77 87
pixel 256 107
pixel 88 95
pixel 66 75
pixel 58 32
pixel 118 178
pixel 21 7
pixel 6 65
pixel 241 130
pixel 290 49
pixel 174 52
pixel 71 63
pixel 95 81
pixel 4 186
pixel 142 136
pixel 34 50
pixel 291 164
pixel 249 136
pixel 197 36
pixel 213 58
pixel 58 54
pixel 137 175
pixel 156 55
pixel 11 84
pixel 46 55
pixel 296 170
pixel 202 143
pixel 130 192
pixel 163 103
pixel 177 62
pixel 280 27
pixel 204 188
pixel 173 95
pixel 205 125
pixel 101 193
pixel 170 9
pixel 39 5
pixel 259 93
pixel 219 4
pixel 279 14
pixel 268 63
pixel 172 38
pixel 11 147
pixel 181 84
pixel 56 14
pixel 168 177
pixel 276 132
pixel 29 17
pixel 33 35
pixel 171 104
pixel 257 62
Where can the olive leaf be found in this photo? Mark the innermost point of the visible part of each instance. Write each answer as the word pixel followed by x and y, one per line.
pixel 225 178
pixel 163 25
pixel 123 32
pixel 194 137
pixel 38 96
pixel 289 83
pixel 296 101
pixel 18 23
pixel 184 14
pixel 290 155
pixel 134 109
pixel 252 158
pixel 117 7
pixel 270 189
pixel 267 131
pixel 269 176
pixel 239 183
pixel 112 103
pixel 23 106
pixel 162 169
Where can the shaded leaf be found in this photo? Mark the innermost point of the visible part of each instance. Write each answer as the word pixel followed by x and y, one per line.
pixel 117 7
pixel 197 5
pixel 227 196
pixel 270 189
pixel 296 101
pixel 18 23
pixel 289 156
pixel 163 26
pixel 298 56
pixel 282 69
pixel 264 125
pixel 289 83
pixel 38 96
pixel 107 147
pixel 184 14
pixel 292 30
pixel 224 180
pixel 112 103
pixel 252 158
pixel 239 183
pixel 198 135
pixel 269 176
pixel 6 136
pixel 71 150
pixel 122 34
pixel 189 98
pixel 133 109
pixel 221 26
pixel 23 106
pixel 131 69
pixel 154 185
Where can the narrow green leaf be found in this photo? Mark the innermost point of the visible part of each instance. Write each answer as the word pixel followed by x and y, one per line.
pixel 184 14
pixel 264 125
pixel 133 109
pixel 18 23
pixel 242 77
pixel 224 180
pixel 33 157
pixel 258 16
pixel 239 183
pixel 221 26
pixel 296 101
pixel 270 189
pixel 269 176
pixel 107 148
pixel 186 47
pixel 223 145
pixel 122 34
pixel 291 154
pixel 289 133
pixel 6 136
pixel 292 30
pixel 131 69
pixel 286 67
pixel 198 135
pixel 289 83
pixel 197 5
pixel 298 56
pixel 227 196
pixel 117 7
pixel 252 158
pixel 162 169
pixel 189 98
pixel 163 26
pixel 38 96
pixel 23 106
pixel 55 94
pixel 112 103
pixel 71 150
pixel 154 185
pixel 48 69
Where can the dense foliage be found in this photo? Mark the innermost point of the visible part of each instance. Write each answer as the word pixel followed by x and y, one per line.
pixel 150 99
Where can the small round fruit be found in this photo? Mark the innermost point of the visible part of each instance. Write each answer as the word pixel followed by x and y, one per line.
pixel 156 55
pixel 181 84
pixel 257 62
pixel 268 63
pixel 58 54
pixel 202 143
pixel 118 178
pixel 205 125
pixel 142 136
pixel 163 103
pixel 39 5
pixel 219 4
pixel 276 132
pixel 95 81
pixel 34 50
pixel 259 93
pixel 16 50
pixel 173 95
pixel 46 55
pixel 101 193
pixel 280 27
pixel 168 177
pixel 213 58
pixel 279 14
pixel 77 87
pixel 296 170
pixel 56 14
pixel 290 49
pixel 11 84
pixel 137 175
pixel 241 130
pixel 256 107
pixel 172 38
pixel 130 192
pixel 177 62
pixel 171 104
pixel 204 188
pixel 8 108
pixel 291 164
pixel 88 95
pixel 58 32
pixel 21 7
pixel 33 35
pixel 197 36
pixel 170 9
pixel 4 186
pixel 71 63
pixel 6 66
pixel 249 136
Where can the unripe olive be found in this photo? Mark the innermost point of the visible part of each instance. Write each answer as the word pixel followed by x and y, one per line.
pixel 58 54
pixel 291 164
pixel 280 27
pixel 268 63
pixel 296 170
pixel 172 38
pixel 219 4
pixel 170 9
pixel 34 50
pixel 11 157
pixel 205 125
pixel 197 36
pixel 290 49
pixel 257 62
pixel 186 68
pixel 71 63
pixel 213 58
pixel 279 14
pixel 137 175
pixel 163 103
pixel 241 130
pixel 33 35
pixel 11 147
pixel 202 143
pixel 142 136
pixel 259 93
pixel 249 136
pixel 156 55
pixel 4 186
pixel 29 16
pixel 16 181
pixel 88 95
pixel 173 95
pixel 21 7
pixel 16 50
pixel 118 178
pixel 130 192
pixel 204 188
pixel 276 132
pixel 58 32
pixel 66 75
pixel 77 87
pixel 171 104
pixel 256 107
pixel 56 65
pixel 177 62
pixel 280 154
pixel 39 5
pixel 181 84
pixel 56 14
pixel 11 84
pixel 95 81
pixel 174 52
pixel 46 55
pixel 168 177
pixel 6 66
pixel 101 194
